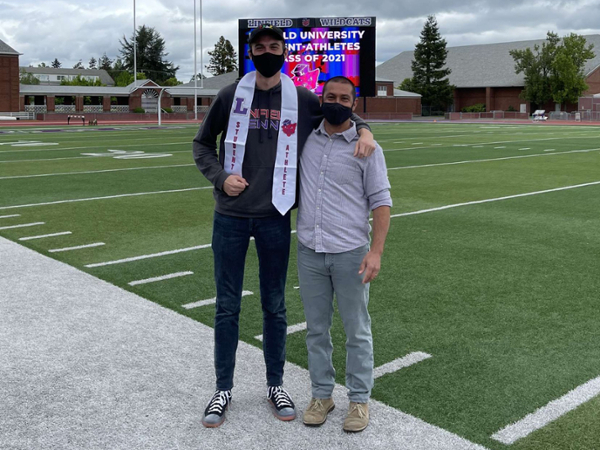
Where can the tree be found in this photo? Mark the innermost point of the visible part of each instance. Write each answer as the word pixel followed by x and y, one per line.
pixel 150 55
pixel 172 82
pixel 430 77
pixel 81 81
pixel 79 65
pixel 92 63
pixel 223 59
pixel 27 78
pixel 554 70
pixel 56 63
pixel 200 77
pixel 536 65
pixel 105 63
pixel 568 77
pixel 42 64
pixel 408 85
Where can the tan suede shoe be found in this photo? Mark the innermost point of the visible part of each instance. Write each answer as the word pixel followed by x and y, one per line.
pixel 316 413
pixel 357 418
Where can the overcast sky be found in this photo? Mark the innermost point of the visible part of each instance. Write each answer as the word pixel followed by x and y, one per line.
pixel 73 30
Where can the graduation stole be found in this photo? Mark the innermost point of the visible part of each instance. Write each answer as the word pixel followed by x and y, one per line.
pixel 285 171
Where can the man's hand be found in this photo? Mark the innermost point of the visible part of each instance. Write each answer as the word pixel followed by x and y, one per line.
pixel 365 145
pixel 370 266
pixel 234 185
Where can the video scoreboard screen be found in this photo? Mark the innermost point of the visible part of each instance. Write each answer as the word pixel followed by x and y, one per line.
pixel 321 48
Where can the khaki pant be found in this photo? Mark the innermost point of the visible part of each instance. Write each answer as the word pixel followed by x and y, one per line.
pixel 321 275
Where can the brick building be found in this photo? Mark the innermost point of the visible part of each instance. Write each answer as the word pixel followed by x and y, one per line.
pixel 9 79
pixel 486 74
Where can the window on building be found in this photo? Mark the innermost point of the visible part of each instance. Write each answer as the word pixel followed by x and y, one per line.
pixel 382 91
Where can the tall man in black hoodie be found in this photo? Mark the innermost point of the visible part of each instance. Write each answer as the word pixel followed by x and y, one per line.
pixel 264 121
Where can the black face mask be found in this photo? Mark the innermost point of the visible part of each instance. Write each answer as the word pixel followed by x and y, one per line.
pixel 268 64
pixel 336 113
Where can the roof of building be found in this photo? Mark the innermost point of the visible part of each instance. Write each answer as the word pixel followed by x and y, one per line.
pixel 105 78
pixel 6 49
pixel 46 89
pixel 475 66
pixel 218 82
pixel 406 94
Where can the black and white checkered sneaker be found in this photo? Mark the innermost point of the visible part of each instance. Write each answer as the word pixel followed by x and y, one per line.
pixel 214 414
pixel 280 400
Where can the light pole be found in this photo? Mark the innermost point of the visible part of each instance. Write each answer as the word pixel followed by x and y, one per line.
pixel 134 48
pixel 195 68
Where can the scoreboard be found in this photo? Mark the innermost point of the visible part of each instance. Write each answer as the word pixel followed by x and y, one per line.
pixel 321 48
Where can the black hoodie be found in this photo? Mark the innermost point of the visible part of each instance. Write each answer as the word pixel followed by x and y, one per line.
pixel 261 147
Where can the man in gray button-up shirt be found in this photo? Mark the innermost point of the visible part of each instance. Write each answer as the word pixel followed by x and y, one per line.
pixel 337 194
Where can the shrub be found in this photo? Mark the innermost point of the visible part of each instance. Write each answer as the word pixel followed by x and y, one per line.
pixel 168 110
pixel 478 107
pixel 511 108
pixel 139 110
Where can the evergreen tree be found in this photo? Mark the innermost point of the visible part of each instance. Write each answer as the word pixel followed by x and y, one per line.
pixel 223 59
pixel 105 63
pixel 150 55
pixel 79 65
pixel 56 63
pixel 430 77
pixel 92 63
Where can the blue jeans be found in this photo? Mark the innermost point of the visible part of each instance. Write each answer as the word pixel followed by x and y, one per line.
pixel 231 236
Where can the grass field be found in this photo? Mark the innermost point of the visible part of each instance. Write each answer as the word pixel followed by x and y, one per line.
pixel 491 265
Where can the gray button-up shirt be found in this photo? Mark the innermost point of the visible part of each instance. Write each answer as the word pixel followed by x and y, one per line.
pixel 338 191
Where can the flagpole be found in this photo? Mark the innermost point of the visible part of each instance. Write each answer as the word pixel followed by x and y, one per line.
pixel 195 69
pixel 134 48
pixel 201 52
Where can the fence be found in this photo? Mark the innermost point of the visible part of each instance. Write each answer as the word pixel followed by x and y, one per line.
pixel 64 108
pixel 179 109
pixel 494 115
pixel 19 115
pixel 576 116
pixel 119 108
pixel 36 108
pixel 92 108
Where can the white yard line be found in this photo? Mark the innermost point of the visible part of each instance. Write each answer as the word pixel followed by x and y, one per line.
pixel 9 216
pixel 489 200
pixel 29 238
pixel 494 159
pixel 291 329
pixel 210 301
pixel 78 247
pixel 411 213
pixel 74 157
pixel 549 413
pixel 161 278
pixel 22 225
pixel 400 363
pixel 86 147
pixel 108 197
pixel 94 171
pixel 153 255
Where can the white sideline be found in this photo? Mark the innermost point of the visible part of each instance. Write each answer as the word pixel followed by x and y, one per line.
pixel 161 278
pixel 92 171
pixel 400 363
pixel 136 194
pixel 291 329
pixel 78 247
pixel 549 413
pixel 28 238
pixel 9 216
pixel 210 301
pixel 23 225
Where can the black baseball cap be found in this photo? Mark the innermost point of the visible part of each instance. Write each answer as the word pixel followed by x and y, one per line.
pixel 263 29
